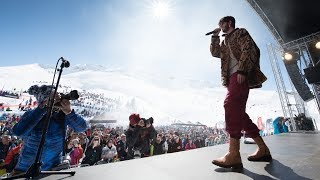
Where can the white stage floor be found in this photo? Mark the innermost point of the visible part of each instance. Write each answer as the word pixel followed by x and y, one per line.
pixel 295 156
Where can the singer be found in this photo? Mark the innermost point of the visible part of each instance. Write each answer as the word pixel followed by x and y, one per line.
pixel 240 71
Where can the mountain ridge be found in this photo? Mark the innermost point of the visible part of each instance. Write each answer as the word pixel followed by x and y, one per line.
pixel 167 99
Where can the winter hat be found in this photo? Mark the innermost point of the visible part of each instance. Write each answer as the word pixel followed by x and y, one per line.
pixel 134 119
pixel 40 92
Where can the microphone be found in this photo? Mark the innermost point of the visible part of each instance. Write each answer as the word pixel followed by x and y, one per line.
pixel 212 32
pixel 65 63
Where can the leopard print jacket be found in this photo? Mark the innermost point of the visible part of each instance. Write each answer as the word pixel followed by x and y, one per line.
pixel 245 51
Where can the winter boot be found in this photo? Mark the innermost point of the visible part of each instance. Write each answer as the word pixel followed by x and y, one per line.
pixel 232 159
pixel 262 153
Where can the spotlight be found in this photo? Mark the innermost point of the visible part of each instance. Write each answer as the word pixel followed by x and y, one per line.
pixel 288 56
pixel 318 45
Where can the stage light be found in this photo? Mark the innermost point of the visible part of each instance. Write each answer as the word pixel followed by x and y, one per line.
pixel 318 45
pixel 288 56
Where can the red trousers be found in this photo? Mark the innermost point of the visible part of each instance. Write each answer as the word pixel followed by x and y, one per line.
pixel 235 110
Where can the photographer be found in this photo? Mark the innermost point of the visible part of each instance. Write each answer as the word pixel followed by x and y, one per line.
pixel 31 125
pixel 139 136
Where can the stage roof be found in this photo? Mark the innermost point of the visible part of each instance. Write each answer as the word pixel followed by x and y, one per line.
pixel 293 19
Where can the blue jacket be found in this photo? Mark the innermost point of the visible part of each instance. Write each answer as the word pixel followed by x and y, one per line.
pixel 30 129
pixel 276 126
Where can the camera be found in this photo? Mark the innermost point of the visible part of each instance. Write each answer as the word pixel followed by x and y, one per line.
pixel 73 95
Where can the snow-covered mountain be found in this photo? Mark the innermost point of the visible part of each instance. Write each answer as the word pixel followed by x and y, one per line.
pixel 165 98
pixel 81 67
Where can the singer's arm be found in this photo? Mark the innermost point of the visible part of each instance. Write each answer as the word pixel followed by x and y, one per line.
pixel 215 48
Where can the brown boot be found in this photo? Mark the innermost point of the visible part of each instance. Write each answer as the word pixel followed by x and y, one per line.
pixel 232 159
pixel 262 153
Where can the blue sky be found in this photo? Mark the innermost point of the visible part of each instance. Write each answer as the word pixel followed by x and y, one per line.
pixel 125 34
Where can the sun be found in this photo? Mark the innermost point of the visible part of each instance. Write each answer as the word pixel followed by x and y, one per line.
pixel 160 9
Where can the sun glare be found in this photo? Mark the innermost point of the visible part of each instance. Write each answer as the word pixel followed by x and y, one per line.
pixel 160 9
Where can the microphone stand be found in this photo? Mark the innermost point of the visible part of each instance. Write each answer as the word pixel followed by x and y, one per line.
pixel 34 169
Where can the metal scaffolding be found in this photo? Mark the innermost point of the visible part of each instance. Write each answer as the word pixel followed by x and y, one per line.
pixel 283 96
pixel 298 105
pixel 266 20
pixel 275 52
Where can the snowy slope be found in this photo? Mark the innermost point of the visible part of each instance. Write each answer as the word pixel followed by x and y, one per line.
pixel 164 98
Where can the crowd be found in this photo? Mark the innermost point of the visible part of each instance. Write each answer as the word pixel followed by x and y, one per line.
pixel 99 145
pixel 105 144
pixel 9 143
pixel 9 94
pixel 91 104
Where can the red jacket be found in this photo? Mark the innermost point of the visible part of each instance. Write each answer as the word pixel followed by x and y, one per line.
pixel 76 155
pixel 11 154
pixel 190 146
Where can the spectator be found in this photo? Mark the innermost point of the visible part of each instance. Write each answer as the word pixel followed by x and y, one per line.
pixel 176 144
pixel 277 125
pixel 2 129
pixel 109 152
pixel 12 158
pixel 76 153
pixel 93 152
pixel 5 146
pixel 122 148
pixel 166 143
pixel 199 142
pixel 284 125
pixel 190 145
pixel 158 145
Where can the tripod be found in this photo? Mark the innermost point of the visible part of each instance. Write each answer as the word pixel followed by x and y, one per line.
pixel 34 169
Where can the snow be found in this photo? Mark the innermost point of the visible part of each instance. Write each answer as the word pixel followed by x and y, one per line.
pixel 166 99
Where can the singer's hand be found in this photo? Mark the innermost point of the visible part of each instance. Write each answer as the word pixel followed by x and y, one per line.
pixel 216 32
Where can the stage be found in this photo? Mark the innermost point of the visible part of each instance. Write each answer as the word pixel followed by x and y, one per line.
pixel 295 156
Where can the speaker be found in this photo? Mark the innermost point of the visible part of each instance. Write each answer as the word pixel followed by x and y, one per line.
pixel 298 81
pixel 312 74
